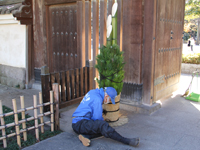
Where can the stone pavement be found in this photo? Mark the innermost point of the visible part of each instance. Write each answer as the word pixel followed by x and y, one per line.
pixel 187 50
pixel 175 126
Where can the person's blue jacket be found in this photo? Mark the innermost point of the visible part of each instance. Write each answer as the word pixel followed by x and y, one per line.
pixel 90 107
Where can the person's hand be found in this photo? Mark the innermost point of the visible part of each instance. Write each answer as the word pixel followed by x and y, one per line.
pixel 104 112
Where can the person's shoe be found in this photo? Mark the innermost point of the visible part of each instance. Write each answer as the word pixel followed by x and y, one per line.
pixel 134 142
pixel 85 141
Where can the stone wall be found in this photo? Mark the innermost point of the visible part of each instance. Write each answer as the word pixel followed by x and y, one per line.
pixel 12 76
pixel 189 68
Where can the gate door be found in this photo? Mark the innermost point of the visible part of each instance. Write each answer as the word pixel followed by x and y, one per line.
pixel 168 49
pixel 62 40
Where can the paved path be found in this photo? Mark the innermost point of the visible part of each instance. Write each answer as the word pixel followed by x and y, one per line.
pixel 187 50
pixel 175 126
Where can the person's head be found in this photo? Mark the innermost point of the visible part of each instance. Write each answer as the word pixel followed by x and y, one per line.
pixel 110 94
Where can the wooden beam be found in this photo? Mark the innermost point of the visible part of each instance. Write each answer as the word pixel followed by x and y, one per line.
pixel 29 54
pixel 95 36
pixel 81 31
pixel 148 55
pixel 103 18
pixel 53 2
pixel 26 21
pixel 71 102
pixel 9 2
pixel 25 11
pixel 88 30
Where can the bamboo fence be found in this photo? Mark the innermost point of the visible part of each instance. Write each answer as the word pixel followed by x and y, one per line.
pixel 24 120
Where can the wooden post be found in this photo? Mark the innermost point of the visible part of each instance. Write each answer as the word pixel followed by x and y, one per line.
pixel 23 117
pixel 56 100
pixel 81 80
pixel 95 37
pixel 51 110
pixel 3 123
pixel 86 79
pixel 72 83
pixel 45 90
pixel 16 122
pixel 63 88
pixel 77 83
pixel 103 18
pixel 41 112
pixel 68 86
pixel 91 78
pixel 81 30
pixel 36 117
pixel 87 30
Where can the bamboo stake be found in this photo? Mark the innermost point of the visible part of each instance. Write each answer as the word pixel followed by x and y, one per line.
pixel 41 111
pixel 23 117
pixel 51 109
pixel 16 122
pixel 56 100
pixel 3 123
pixel 36 117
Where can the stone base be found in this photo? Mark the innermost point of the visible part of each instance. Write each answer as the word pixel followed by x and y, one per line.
pixel 142 109
pixel 122 120
pixel 189 68
pixel 12 76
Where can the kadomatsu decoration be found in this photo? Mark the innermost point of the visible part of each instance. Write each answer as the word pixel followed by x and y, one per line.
pixel 110 61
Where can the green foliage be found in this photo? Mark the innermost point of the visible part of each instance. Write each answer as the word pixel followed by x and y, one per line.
pixel 190 29
pixel 192 9
pixel 191 58
pixel 110 64
pixel 186 36
pixel 12 141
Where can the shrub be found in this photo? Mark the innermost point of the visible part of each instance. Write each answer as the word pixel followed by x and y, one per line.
pixel 191 58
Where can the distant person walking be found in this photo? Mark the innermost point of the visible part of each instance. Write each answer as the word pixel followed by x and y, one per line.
pixel 192 43
pixel 189 42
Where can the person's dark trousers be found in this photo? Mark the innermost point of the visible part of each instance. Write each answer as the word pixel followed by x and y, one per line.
pixel 92 129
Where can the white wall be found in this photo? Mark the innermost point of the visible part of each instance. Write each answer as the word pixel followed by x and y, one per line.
pixel 12 42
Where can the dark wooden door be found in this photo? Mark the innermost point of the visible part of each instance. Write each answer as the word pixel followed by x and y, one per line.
pixel 62 42
pixel 168 50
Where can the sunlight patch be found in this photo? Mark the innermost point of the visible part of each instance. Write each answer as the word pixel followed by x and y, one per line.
pixel 197 106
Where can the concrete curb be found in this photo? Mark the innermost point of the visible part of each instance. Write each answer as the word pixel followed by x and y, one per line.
pixel 189 68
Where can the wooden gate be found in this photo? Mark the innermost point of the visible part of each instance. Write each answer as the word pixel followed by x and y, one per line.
pixel 168 50
pixel 62 38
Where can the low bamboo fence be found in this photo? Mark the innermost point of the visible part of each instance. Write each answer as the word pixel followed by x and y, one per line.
pixel 18 122
pixel 72 85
